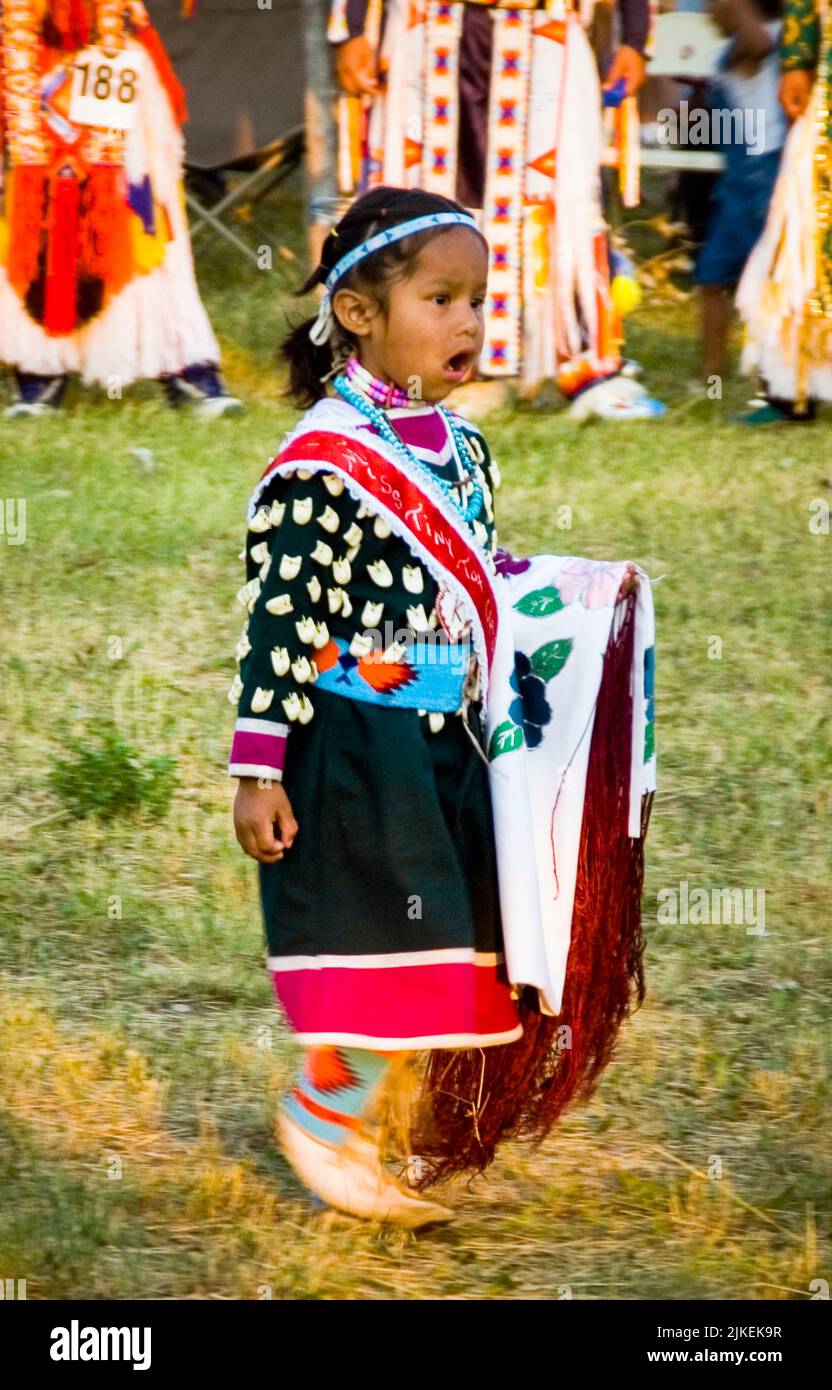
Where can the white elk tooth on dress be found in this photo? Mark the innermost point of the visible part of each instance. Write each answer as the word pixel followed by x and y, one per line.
pixel 289 567
pixel 302 670
pixel 342 570
pixel 280 660
pixel 291 705
pixel 413 579
pixel 307 709
pixel 380 573
pixel 333 484
pixel 302 510
pixel 436 721
pixel 329 519
pixel 261 699
pixel 305 629
pixel 280 604
pixel 235 689
pixel 322 553
pixel 314 588
pixel 381 529
pixel 418 618
pixel 354 534
pixel 261 521
pixel 361 645
pixel 371 613
pixel 321 637
pixel 277 513
pixel 334 598
pixel 259 552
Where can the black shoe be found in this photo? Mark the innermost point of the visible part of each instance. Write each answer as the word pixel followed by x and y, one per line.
pixel 36 395
pixel 201 387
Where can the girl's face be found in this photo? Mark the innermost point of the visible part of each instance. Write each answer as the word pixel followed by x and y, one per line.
pixel 431 335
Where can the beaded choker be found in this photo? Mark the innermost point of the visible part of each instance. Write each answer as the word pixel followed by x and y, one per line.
pixel 388 397
pixel 467 494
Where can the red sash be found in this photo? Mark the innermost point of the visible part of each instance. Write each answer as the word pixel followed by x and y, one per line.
pixel 418 516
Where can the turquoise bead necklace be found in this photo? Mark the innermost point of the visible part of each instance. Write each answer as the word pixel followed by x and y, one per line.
pixel 472 508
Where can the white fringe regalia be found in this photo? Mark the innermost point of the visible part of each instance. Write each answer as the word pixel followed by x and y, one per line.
pixel 788 338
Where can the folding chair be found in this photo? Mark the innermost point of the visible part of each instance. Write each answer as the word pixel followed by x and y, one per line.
pixel 243 72
pixel 260 172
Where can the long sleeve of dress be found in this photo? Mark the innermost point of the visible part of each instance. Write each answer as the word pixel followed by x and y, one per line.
pixel 800 42
pixel 298 548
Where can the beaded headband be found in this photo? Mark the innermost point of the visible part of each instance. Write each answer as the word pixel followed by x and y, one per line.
pixel 323 325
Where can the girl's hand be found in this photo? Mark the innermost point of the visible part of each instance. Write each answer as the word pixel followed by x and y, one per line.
pixel 356 65
pixel 256 809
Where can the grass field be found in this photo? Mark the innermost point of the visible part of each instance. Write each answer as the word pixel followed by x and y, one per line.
pixel 141 1057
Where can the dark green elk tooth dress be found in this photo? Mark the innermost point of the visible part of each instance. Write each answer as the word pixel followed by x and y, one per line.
pixel 382 920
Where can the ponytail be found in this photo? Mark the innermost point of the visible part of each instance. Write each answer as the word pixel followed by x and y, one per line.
pixel 309 365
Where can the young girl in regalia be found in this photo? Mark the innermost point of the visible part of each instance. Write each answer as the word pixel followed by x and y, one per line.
pixel 442 751
pixel 96 274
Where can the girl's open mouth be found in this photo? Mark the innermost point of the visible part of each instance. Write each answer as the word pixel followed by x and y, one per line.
pixel 458 366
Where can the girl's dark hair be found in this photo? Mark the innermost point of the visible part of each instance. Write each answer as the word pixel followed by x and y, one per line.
pixel 374 212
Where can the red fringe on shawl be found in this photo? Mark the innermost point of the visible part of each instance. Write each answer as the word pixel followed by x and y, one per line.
pixel 153 46
pixel 474 1100
pixel 27 199
pixel 60 304
pixel 106 248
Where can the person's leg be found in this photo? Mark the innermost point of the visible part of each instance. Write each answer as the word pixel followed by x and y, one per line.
pixel 200 386
pixel 326 1135
pixel 335 1091
pixel 716 317
pixel 36 395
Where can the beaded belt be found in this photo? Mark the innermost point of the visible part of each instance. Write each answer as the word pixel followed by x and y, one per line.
pixel 429 675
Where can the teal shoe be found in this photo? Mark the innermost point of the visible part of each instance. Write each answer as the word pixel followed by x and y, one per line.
pixel 762 412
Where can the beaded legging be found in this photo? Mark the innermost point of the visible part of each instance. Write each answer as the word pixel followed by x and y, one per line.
pixel 335 1091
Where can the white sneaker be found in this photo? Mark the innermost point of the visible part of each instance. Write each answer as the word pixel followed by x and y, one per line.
pixel 353 1180
pixel 212 407
pixel 23 410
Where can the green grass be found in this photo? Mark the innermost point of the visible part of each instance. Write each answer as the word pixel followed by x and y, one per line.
pixel 136 1020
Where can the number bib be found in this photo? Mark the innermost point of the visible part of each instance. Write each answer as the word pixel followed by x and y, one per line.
pixel 105 89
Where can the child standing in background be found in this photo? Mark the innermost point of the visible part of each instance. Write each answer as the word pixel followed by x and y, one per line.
pixel 747 101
